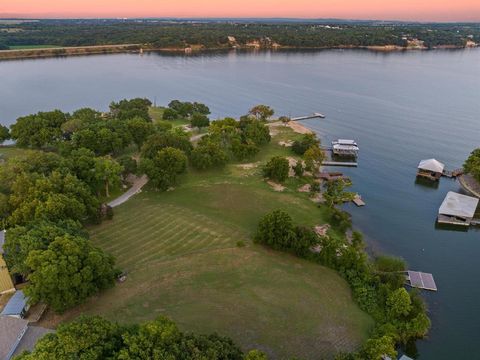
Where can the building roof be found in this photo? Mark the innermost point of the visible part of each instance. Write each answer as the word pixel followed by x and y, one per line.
pixel 405 357
pixel 346 142
pixel 30 338
pixel 459 205
pixel 11 331
pixel 15 305
pixel 431 165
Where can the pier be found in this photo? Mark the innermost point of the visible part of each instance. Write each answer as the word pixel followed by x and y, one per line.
pixel 306 117
pixel 357 200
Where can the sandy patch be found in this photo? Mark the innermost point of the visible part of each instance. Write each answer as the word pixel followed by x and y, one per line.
pixel 276 186
pixel 299 128
pixel 287 143
pixel 318 198
pixel 305 188
pixel 248 166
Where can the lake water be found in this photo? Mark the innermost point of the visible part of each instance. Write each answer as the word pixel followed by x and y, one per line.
pixel 400 107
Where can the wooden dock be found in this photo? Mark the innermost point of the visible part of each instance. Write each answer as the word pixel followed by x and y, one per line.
pixel 452 173
pixel 306 117
pixel 449 220
pixel 340 163
pixel 421 280
pixel 357 200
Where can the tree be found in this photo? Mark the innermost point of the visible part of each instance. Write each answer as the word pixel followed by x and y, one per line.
pixel 472 164
pixel 313 158
pixel 36 235
pixel 157 142
pixel 164 168
pixel 261 112
pixel 277 169
pixel 70 270
pixel 170 114
pixel 4 134
pixel 306 142
pixel 335 192
pixel 129 109
pixel 54 197
pixel 305 238
pixel 92 338
pixel 140 129
pixel 284 119
pixel 276 230
pixel 207 155
pixel 129 165
pixel 254 130
pixel 376 348
pixel 39 130
pixel 399 303
pixel 199 120
pixel 298 169
pixel 107 173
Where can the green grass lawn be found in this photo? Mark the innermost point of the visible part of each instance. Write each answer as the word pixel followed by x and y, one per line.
pixel 180 251
pixel 31 47
pixel 156 113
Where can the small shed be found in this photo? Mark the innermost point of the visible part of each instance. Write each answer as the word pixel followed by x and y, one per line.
pixel 457 209
pixel 431 169
pixel 17 306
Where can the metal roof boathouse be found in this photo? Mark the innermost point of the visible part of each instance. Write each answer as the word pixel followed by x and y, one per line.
pixel 457 209
pixel 344 147
pixel 430 169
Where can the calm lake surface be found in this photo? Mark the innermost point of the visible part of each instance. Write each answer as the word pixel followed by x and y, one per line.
pixel 400 107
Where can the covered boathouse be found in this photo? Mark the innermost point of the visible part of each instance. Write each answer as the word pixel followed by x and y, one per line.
pixel 343 147
pixel 457 209
pixel 430 169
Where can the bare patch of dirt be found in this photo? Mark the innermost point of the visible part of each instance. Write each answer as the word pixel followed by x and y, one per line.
pixel 248 166
pixel 321 230
pixel 299 128
pixel 276 186
pixel 305 188
pixel 287 143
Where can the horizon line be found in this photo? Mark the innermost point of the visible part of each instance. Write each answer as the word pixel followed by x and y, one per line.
pixel 6 17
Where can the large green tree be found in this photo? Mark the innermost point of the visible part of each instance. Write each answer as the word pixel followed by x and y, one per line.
pixel 36 235
pixel 4 134
pixel 39 130
pixel 164 168
pixel 107 173
pixel 66 273
pixel 262 112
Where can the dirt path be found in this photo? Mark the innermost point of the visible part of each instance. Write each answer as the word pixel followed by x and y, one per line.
pixel 136 187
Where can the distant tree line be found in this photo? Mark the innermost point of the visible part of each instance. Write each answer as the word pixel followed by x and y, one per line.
pixel 215 34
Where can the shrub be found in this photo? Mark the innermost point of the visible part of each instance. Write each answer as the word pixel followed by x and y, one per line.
pixel 277 169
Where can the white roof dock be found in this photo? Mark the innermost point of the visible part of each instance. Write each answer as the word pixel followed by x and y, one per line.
pixel 431 165
pixel 458 205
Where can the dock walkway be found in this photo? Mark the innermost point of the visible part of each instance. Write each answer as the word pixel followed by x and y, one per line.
pixel 306 117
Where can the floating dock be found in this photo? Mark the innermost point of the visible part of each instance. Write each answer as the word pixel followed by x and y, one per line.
pixel 452 173
pixel 340 163
pixel 421 280
pixel 357 200
pixel 306 117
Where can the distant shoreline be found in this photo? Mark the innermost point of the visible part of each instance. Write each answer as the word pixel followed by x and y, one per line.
pixel 138 48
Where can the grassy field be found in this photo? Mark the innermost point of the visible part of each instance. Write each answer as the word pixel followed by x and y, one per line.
pixel 180 250
pixel 156 114
pixel 11 151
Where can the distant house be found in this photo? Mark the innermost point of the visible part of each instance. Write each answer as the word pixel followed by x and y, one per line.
pixel 17 336
pixel 430 169
pixel 17 306
pixel 6 284
pixel 344 147
pixel 457 209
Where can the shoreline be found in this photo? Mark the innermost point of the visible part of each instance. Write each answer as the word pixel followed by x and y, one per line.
pixel 468 183
pixel 195 49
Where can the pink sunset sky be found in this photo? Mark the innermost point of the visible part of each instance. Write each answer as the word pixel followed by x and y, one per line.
pixel 423 10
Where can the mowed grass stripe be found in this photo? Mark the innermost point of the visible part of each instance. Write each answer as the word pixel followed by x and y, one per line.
pixel 153 246
pixel 133 232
